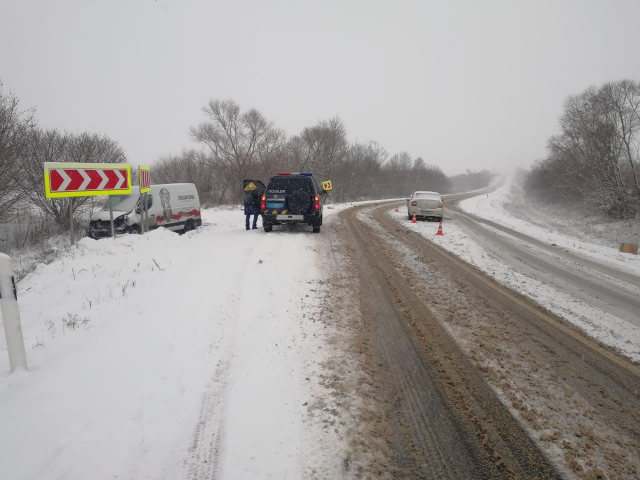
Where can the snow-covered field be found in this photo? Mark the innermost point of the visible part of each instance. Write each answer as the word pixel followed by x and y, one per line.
pixel 167 356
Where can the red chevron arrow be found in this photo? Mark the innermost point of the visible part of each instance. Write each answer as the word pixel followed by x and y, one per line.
pixel 56 180
pixel 124 182
pixel 113 179
pixel 76 180
pixel 95 181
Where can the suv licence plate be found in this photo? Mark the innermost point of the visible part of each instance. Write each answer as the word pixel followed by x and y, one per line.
pixel 275 205
pixel 289 217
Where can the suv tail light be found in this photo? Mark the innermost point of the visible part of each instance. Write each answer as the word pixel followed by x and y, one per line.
pixel 316 200
pixel 414 204
pixel 284 174
pixel 440 204
pixel 263 202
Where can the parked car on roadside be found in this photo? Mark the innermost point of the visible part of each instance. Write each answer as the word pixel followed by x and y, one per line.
pixel 427 205
pixel 175 206
pixel 292 198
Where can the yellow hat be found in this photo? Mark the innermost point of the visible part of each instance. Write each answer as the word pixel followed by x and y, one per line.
pixel 250 187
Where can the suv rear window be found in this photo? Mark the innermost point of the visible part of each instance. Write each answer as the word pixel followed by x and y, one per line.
pixel 290 184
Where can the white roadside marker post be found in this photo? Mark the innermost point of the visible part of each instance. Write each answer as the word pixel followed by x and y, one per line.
pixel 11 315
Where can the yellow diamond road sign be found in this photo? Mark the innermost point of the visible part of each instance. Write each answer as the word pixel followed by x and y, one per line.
pixel 327 185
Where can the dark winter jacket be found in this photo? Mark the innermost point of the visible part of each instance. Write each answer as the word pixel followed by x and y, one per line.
pixel 251 203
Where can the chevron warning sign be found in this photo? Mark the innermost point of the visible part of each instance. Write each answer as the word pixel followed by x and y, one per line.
pixel 86 179
pixel 145 179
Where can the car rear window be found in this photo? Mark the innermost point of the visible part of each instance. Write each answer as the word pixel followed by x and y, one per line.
pixel 290 184
pixel 428 195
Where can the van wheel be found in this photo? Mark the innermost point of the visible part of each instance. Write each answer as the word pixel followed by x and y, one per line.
pixel 189 226
pixel 268 227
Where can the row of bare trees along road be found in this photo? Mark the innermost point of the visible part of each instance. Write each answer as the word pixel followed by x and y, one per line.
pixel 594 162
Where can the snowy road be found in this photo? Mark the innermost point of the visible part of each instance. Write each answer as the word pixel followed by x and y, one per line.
pixel 166 356
pixel 577 399
pixel 591 280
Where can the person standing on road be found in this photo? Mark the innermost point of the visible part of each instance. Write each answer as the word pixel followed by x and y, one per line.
pixel 251 204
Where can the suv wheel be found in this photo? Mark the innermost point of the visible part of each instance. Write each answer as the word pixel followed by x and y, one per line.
pixel 268 227
pixel 316 229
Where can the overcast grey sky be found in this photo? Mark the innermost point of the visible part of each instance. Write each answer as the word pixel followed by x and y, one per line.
pixel 463 84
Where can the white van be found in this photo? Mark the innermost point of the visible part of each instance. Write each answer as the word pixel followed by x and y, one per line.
pixel 175 206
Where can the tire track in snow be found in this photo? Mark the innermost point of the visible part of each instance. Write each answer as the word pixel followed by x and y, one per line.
pixel 204 455
pixel 204 452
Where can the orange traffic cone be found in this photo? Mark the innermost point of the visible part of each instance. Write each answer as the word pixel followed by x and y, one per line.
pixel 414 220
pixel 440 229
pixel 397 208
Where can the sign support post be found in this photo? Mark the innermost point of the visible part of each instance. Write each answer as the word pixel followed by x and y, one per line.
pixel 71 219
pixel 113 230
pixel 11 315
pixel 145 214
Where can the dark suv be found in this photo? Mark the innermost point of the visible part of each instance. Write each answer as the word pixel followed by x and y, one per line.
pixel 292 198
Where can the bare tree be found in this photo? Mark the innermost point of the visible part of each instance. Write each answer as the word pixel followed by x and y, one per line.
pixel 236 140
pixel 271 150
pixel 595 159
pixel 211 181
pixel 358 175
pixel 623 101
pixel 318 148
pixel 15 126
